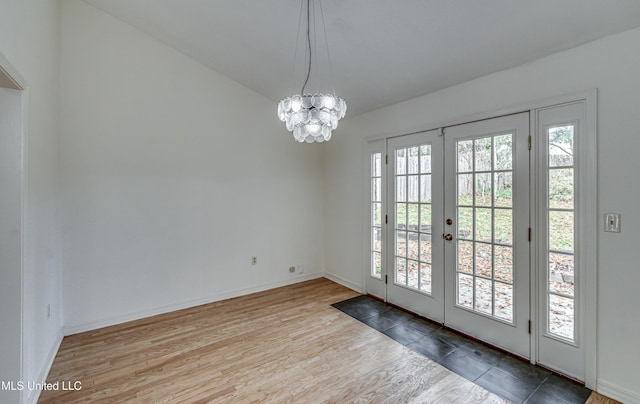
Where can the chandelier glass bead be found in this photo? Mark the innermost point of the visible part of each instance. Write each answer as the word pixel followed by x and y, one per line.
pixel 312 117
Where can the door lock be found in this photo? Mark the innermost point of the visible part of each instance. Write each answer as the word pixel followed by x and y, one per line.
pixel 447 237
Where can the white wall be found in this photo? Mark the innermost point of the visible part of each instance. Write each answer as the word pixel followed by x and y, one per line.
pixel 11 169
pixel 612 65
pixel 173 176
pixel 29 41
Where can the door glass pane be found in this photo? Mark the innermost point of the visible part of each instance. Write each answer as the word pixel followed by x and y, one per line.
pixel 401 271
pixel 376 159
pixel 401 215
pixel 560 146
pixel 401 161
pixel 425 247
pixel 413 274
pixel 413 190
pixel 401 243
pixel 503 259
pixel 465 156
pixel 503 184
pixel 561 188
pixel 401 188
pixel 561 272
pixel 413 247
pixel 503 152
pixel 425 159
pixel 425 277
pixel 465 256
pixel 465 291
pixel 376 242
pixel 561 230
pixel 413 166
pixel 484 265
pixel 483 189
pixel 485 225
pixel 504 301
pixel 503 226
pixel 484 299
pixel 377 189
pixel 425 188
pixel 465 223
pixel 377 214
pixel 413 219
pixel 482 154
pixel 465 189
pixel 561 316
pixel 377 265
pixel 425 217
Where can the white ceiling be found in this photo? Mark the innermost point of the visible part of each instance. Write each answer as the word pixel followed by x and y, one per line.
pixel 382 51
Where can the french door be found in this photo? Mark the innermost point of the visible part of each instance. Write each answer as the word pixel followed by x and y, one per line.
pixel 465 222
pixel 452 244
pixel 414 253
pixel 486 214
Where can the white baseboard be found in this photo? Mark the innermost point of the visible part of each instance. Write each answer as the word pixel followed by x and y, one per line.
pixel 617 393
pixel 343 282
pixel 94 325
pixel 31 396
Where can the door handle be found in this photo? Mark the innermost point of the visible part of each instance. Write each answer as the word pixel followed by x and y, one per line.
pixel 447 237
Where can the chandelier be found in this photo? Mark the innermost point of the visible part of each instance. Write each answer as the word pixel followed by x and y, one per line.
pixel 311 116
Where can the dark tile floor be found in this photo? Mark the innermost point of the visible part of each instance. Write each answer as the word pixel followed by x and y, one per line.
pixel 496 371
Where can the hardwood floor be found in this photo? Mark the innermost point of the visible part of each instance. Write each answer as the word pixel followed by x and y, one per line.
pixel 283 345
pixel 596 398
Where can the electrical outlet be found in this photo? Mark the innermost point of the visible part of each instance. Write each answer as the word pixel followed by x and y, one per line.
pixel 254 260
pixel 292 269
pixel 299 269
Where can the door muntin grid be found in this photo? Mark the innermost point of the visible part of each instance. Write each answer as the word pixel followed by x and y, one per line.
pixel 413 218
pixel 484 223
pixel 560 209
pixel 376 215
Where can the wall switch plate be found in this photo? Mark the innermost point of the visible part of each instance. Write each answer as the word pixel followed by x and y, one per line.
pixel 612 222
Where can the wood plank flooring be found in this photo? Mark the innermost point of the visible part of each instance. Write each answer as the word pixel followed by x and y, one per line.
pixel 283 345
pixel 596 398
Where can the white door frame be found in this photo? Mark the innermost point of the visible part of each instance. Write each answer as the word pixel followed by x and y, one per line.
pixel 374 285
pixel 589 217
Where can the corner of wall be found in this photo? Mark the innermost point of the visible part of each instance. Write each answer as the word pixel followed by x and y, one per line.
pixel 32 395
pixel 344 282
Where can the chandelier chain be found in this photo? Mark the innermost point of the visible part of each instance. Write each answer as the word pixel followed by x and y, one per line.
pixel 308 46
pixel 295 52
pixel 326 43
